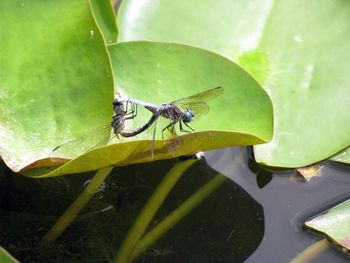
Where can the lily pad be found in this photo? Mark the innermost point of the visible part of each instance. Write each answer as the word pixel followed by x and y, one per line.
pixel 5 257
pixel 335 224
pixel 55 81
pixel 161 72
pixel 105 18
pixel 343 156
pixel 299 53
pixel 65 88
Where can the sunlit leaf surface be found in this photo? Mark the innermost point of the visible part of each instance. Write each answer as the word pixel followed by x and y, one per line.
pixel 105 18
pixel 55 80
pixel 299 51
pixel 159 73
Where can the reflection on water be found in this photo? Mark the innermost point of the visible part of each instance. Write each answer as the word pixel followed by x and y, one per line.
pixel 226 227
pixel 287 202
pixel 256 216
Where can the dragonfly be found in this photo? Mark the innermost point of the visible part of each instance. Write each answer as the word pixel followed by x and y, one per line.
pixel 122 114
pixel 180 111
pixel 119 129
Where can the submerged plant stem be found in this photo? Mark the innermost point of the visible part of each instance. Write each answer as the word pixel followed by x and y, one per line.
pixel 150 209
pixel 70 214
pixel 177 215
pixel 310 252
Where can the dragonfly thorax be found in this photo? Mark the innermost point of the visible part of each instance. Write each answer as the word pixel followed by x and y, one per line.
pixel 170 111
pixel 187 116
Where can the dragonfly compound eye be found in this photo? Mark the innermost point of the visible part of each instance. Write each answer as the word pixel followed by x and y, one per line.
pixel 188 116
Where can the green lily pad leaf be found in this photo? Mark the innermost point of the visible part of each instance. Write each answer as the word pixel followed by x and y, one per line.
pixel 299 53
pixel 160 73
pixel 335 224
pixel 226 27
pixel 343 156
pixel 55 81
pixel 5 257
pixel 105 18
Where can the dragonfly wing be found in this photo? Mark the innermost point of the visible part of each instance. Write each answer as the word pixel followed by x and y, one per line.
pixel 199 108
pixel 92 139
pixel 202 96
pixel 153 138
pixel 172 139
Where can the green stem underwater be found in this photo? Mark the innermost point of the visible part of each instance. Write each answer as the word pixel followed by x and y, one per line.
pixel 71 213
pixel 152 236
pixel 310 252
pixel 150 209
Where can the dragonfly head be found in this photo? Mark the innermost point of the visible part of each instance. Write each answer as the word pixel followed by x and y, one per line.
pixel 118 107
pixel 117 102
pixel 188 116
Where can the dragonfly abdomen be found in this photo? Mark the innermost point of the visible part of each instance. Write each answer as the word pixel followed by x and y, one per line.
pixel 129 133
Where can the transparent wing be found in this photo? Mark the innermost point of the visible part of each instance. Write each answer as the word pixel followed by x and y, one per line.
pixel 172 139
pixel 202 96
pixel 199 108
pixel 153 138
pixel 92 139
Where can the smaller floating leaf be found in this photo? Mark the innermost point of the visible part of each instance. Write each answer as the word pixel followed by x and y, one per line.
pixel 343 156
pixel 335 224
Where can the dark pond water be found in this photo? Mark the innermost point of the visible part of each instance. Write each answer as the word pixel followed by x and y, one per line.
pixel 253 217
pixel 286 203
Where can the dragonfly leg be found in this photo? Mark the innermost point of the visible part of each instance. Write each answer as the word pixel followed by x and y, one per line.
pixel 132 112
pixel 189 127
pixel 181 127
pixel 170 128
pixel 135 111
pixel 127 106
